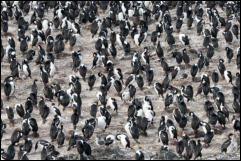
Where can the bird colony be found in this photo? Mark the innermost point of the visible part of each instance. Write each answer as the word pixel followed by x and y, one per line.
pixel 120 79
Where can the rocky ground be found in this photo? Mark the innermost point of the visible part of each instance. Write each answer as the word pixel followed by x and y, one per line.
pixel 149 145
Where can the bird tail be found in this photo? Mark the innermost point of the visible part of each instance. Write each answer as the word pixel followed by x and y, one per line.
pixel 4 155
pixel 35 134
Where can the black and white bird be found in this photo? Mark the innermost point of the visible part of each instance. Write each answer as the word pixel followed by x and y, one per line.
pixel 145 56
pixel 149 75
pixel 170 39
pixel 109 139
pixel 178 56
pixel 179 24
pixel 238 58
pixel 50 68
pixel 140 81
pixel 210 51
pixel 228 36
pixel 159 50
pixel 95 27
pixel 77 58
pixel 221 119
pixel 221 67
pixel 163 136
pixel 183 122
pixel 9 155
pixel 198 150
pixel 48 93
pixel 24 44
pixel 130 80
pixel 83 147
pixel 191 144
pixel 72 38
pixel 50 43
pixel 34 38
pixel 26 69
pixel 177 115
pixel 19 109
pixel 226 146
pixel 118 74
pixel 184 39
pixel 101 97
pixel 112 103
pixel 139 155
pixel 91 81
pixel 215 78
pixel 200 23
pixel 112 37
pixel 228 76
pixel 206 127
pixel 175 72
pixel 195 122
pixel 185 57
pixel 101 123
pixel 154 37
pixel 75 118
pixel 236 124
pixel 11 42
pixel 229 54
pixel 112 50
pixel 158 88
pixel 225 111
pixel 61 136
pixel 63 98
pixel 187 92
pixel 44 75
pixel 237 80
pixel 22 155
pixel 181 104
pixel 88 128
pixel 30 54
pixel 140 37
pixel 173 132
pixel 27 146
pixel 117 84
pixel 132 130
pixel 44 112
pixel 168 100
pixel 83 71
pixel 9 86
pixel 4 27
pixel 194 70
pixel 103 79
pixel 16 136
pixel 10 114
pixel 124 140
pixel 53 131
pixel 55 110
pixel 180 147
pixel 93 110
pixel 235 30
pixel 209 133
